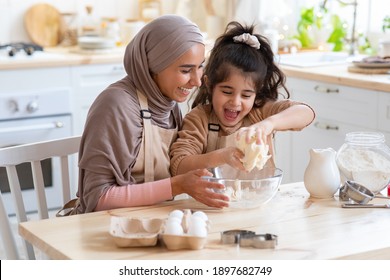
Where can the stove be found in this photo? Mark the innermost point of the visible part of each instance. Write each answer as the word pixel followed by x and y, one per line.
pixel 13 49
pixel 25 52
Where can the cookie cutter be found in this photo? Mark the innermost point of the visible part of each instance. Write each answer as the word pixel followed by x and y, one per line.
pixel 259 241
pixel 234 236
pixel 246 238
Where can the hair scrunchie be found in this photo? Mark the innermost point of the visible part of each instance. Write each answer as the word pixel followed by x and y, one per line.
pixel 248 39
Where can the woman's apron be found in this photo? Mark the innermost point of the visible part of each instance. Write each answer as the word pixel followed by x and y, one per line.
pixel 153 159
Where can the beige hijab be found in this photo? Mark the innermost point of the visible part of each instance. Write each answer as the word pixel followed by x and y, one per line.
pixel 113 130
pixel 157 46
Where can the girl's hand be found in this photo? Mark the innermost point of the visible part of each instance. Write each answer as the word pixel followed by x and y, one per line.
pixel 257 132
pixel 233 157
pixel 192 184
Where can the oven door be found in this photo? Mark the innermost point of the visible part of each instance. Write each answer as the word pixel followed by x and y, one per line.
pixel 22 131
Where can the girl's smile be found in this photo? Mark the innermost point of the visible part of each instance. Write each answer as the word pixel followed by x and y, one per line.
pixel 233 98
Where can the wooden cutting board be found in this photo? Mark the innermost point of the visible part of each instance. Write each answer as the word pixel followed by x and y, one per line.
pixel 43 24
pixel 355 69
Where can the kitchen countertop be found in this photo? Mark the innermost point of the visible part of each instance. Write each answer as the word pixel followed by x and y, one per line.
pixel 339 74
pixel 60 56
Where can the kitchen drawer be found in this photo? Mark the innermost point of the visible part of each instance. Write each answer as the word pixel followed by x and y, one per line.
pixel 96 77
pixel 29 80
pixel 88 82
pixel 330 101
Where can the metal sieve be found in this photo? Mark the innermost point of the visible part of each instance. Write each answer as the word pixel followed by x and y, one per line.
pixel 358 193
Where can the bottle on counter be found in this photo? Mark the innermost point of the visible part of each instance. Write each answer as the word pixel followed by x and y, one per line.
pixel 149 9
pixel 110 29
pixel 130 28
pixel 90 25
pixel 69 27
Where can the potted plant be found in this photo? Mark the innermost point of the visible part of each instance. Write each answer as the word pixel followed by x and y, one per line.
pixel 316 27
pixel 386 24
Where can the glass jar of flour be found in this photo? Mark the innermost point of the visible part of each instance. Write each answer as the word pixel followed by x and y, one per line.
pixel 365 158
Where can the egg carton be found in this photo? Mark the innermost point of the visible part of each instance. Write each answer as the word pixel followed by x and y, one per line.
pixel 181 230
pixel 135 232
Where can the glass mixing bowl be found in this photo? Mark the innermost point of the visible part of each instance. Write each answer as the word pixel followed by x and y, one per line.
pixel 247 189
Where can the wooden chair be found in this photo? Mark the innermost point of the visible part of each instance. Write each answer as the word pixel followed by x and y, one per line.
pixel 34 153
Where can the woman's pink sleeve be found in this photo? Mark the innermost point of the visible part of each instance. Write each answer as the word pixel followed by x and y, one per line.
pixel 135 195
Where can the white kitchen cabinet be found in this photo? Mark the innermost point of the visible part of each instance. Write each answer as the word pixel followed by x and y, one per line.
pixel 30 80
pixel 339 110
pixel 88 81
pixel 384 112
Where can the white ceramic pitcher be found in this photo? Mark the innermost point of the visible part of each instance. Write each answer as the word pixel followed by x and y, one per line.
pixel 322 176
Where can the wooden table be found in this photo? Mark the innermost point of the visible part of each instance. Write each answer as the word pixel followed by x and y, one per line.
pixel 307 228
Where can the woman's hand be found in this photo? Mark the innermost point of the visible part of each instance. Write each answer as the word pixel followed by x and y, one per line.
pixel 192 184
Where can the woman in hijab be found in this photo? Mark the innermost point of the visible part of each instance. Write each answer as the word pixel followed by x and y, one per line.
pixel 124 151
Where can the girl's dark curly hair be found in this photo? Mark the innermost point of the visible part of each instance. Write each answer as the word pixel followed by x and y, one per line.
pixel 258 63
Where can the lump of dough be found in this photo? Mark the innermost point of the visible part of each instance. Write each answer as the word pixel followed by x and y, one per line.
pixel 254 155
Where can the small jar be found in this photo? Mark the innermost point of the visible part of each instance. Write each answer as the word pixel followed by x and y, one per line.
pixel 365 158
pixel 111 29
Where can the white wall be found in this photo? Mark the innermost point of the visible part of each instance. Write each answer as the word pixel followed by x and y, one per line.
pixel 275 12
pixel 12 12
pixel 285 13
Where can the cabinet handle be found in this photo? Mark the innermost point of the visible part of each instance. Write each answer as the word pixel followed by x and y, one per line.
pixel 51 125
pixel 388 112
pixel 324 89
pixel 326 126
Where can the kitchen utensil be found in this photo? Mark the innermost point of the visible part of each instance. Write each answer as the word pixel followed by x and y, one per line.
pixel 247 238
pixel 233 236
pixel 43 24
pixel 259 241
pixel 354 205
pixel 247 189
pixel 359 193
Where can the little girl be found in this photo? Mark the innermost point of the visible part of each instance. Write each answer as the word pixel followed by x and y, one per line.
pixel 238 98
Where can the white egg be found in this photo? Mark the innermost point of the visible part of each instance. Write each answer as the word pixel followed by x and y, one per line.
pixel 174 220
pixel 176 213
pixel 197 229
pixel 173 228
pixel 197 220
pixel 201 214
